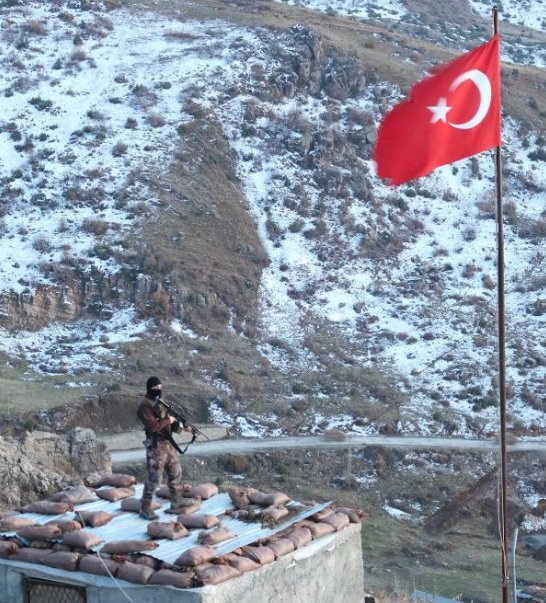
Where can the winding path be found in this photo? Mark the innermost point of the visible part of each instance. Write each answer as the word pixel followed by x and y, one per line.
pixel 248 445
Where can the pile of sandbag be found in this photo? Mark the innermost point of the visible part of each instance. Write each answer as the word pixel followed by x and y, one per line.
pixel 301 533
pixel 191 497
pixel 251 503
pixel 72 544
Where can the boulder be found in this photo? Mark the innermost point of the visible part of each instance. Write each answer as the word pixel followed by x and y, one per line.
pixel 39 463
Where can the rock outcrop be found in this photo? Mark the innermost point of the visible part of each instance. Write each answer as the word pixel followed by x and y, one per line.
pixel 40 463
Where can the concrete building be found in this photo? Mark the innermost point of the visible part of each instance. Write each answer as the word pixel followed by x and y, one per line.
pixel 326 569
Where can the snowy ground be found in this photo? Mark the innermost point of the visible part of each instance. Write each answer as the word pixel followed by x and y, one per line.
pixel 527 13
pixel 366 9
pixel 530 13
pixel 76 121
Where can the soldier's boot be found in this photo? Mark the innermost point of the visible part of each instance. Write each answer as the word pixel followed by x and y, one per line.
pixel 146 511
pixel 176 500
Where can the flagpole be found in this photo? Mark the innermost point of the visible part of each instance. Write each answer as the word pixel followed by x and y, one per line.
pixel 502 362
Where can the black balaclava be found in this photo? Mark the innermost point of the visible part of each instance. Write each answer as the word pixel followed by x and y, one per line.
pixel 150 384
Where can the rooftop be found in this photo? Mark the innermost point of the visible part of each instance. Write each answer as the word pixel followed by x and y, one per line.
pixel 123 540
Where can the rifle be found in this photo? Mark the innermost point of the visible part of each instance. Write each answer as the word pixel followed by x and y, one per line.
pixel 181 414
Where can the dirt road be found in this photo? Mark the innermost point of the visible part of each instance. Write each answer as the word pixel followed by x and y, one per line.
pixel 122 455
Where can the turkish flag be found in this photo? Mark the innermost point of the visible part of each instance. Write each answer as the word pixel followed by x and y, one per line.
pixel 452 114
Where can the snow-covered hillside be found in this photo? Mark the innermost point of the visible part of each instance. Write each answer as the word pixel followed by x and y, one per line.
pixel 526 13
pixel 405 277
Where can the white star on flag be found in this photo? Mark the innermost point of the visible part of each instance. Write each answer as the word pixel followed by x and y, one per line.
pixel 439 111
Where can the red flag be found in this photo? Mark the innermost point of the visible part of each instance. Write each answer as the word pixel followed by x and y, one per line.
pixel 452 114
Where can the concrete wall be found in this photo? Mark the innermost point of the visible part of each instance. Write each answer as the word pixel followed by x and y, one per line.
pixel 329 570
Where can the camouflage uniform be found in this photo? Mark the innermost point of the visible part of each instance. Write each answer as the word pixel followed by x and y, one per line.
pixel 161 455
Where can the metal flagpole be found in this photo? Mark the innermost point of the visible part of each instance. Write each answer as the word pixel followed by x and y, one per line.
pixel 502 363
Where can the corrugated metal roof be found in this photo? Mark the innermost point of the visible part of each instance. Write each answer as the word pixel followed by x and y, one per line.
pixel 127 525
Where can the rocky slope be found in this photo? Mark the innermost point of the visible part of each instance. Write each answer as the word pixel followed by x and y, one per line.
pixel 38 464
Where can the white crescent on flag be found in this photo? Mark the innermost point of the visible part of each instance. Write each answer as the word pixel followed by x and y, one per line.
pixel 482 83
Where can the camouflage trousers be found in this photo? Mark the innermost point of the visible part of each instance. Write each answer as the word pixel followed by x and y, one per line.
pixel 161 458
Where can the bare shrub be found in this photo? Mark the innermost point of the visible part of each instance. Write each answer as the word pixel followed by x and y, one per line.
pixel 36 28
pixel 156 120
pixel 440 251
pixel 40 103
pixel 488 282
pixel 532 229
pixel 95 227
pixel 119 149
pixel 78 55
pixel 94 114
pixel 487 208
pixel 297 225
pixel 180 35
pixel 63 225
pixel 131 123
pixel 94 173
pixel 144 96
pixel 360 117
pixel 510 212
pixel 469 270
pixel 469 234
pixel 41 244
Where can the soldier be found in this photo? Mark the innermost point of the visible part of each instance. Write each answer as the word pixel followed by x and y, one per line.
pixel 162 452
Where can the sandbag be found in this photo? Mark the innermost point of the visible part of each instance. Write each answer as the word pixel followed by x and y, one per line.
pixel 169 530
pixel 115 494
pixel 320 515
pixel 75 495
pixel 281 546
pixel 216 574
pixel 320 528
pixel 133 572
pixel 93 519
pixel 7 548
pixel 299 536
pixel 41 532
pixel 241 564
pixel 128 546
pixel 82 540
pixel 133 504
pixel 265 500
pixel 193 521
pixel 188 505
pixel 338 520
pixel 47 507
pixel 14 523
pixel 274 513
pixel 206 490
pixel 163 491
pixel 65 525
pixel 29 555
pixel 238 497
pixel 355 515
pixel 62 560
pixel 172 578
pixel 93 564
pixel 117 480
pixel 195 556
pixel 147 561
pixel 220 534
pixel 41 544
pixel 260 554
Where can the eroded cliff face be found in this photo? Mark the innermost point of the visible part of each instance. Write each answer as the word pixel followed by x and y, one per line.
pixel 39 463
